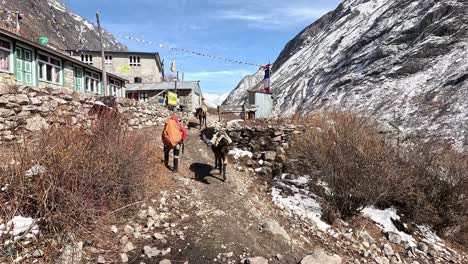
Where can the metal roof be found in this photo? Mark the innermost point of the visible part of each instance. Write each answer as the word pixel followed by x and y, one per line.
pixel 160 86
pixel 56 53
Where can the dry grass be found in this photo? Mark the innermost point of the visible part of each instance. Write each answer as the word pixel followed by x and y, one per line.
pixel 362 168
pixel 88 176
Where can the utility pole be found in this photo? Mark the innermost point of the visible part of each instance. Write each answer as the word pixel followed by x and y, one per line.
pixel 104 74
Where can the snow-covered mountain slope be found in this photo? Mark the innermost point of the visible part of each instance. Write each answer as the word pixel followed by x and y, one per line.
pixel 239 95
pixel 54 20
pixel 213 100
pixel 401 61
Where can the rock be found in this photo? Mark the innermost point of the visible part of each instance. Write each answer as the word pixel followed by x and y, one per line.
pixel 366 237
pixel 166 251
pixel 320 257
pixel 270 156
pixel 123 257
pixel 114 229
pixel 387 250
pixel 381 260
pixel 151 252
pixel 128 229
pixel 71 253
pixel 101 260
pixel 38 253
pixel 393 237
pixel 275 228
pixel 22 99
pixel 165 261
pixel 128 247
pixel 423 247
pixel 255 260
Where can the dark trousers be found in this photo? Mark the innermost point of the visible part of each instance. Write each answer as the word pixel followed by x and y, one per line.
pixel 167 151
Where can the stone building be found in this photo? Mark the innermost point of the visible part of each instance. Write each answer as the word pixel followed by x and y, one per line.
pixel 188 93
pixel 137 67
pixel 24 62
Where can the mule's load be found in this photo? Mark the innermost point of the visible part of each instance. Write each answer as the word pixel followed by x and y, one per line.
pixel 171 135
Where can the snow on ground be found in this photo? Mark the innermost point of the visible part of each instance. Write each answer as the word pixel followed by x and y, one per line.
pixel 58 5
pixel 302 202
pixel 239 153
pixel 383 218
pixel 20 227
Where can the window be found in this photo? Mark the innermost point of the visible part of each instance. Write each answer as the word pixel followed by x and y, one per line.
pixel 108 59
pixel 78 79
pixel 143 97
pixel 114 87
pixel 92 81
pixel 134 60
pixel 87 58
pixel 5 52
pixel 49 68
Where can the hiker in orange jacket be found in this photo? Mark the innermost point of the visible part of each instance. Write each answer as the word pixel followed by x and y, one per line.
pixel 177 147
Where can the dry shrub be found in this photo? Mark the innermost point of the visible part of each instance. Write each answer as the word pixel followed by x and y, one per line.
pixel 353 158
pixel 346 150
pixel 87 174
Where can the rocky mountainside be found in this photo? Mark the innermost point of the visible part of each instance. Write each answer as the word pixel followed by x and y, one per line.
pixel 239 94
pixel 401 61
pixel 53 19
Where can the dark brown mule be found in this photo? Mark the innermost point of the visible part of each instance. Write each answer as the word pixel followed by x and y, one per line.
pixel 200 114
pixel 221 152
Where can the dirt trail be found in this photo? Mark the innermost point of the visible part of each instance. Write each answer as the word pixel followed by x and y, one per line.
pixel 221 222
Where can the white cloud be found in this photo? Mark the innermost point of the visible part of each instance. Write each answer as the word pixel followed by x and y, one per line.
pixel 277 17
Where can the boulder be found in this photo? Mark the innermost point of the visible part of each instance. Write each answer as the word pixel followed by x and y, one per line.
pixel 393 237
pixel 275 228
pixel 320 257
pixel 36 123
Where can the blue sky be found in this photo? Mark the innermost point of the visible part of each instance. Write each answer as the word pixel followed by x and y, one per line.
pixel 245 30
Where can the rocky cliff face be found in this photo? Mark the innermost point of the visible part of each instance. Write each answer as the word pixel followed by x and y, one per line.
pixel 52 19
pixel 401 61
pixel 239 95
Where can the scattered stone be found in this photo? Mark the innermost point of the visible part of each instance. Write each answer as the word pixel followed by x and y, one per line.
pixel 151 252
pixel 393 237
pixel 101 260
pixel 165 261
pixel 255 260
pixel 381 260
pixel 387 250
pixel 123 258
pixel 38 253
pixel 166 251
pixel 128 229
pixel 320 257
pixel 275 228
pixel 128 247
pixel 114 229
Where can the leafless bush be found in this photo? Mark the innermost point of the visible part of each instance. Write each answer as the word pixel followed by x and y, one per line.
pixel 362 168
pixel 85 175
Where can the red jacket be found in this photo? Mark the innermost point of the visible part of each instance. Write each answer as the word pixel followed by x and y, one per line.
pixel 181 127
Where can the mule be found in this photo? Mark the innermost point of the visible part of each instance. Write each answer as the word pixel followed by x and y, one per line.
pixel 200 114
pixel 221 152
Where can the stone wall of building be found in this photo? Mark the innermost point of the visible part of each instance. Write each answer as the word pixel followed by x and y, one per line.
pixel 24 110
pixel 7 79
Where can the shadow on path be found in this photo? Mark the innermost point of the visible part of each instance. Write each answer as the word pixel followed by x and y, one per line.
pixel 203 171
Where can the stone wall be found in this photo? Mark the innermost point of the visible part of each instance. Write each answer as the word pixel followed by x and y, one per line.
pixel 7 79
pixel 28 109
pixel 268 144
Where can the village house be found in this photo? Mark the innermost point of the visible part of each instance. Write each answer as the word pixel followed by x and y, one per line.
pixel 25 62
pixel 189 93
pixel 137 67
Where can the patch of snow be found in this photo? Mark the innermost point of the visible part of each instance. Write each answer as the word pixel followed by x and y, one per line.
pixel 239 153
pixel 302 203
pixel 20 227
pixel 384 219
pixel 34 171
pixel 58 5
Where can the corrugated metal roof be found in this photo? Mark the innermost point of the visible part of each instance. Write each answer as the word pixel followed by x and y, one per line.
pixel 160 86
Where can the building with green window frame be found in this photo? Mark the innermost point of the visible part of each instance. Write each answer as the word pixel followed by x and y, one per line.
pixel 24 62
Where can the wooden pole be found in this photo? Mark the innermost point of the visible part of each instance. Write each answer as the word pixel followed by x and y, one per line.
pixel 104 74
pixel 219 113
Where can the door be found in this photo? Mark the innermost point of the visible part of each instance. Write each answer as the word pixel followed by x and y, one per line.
pixel 78 79
pixel 24 66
